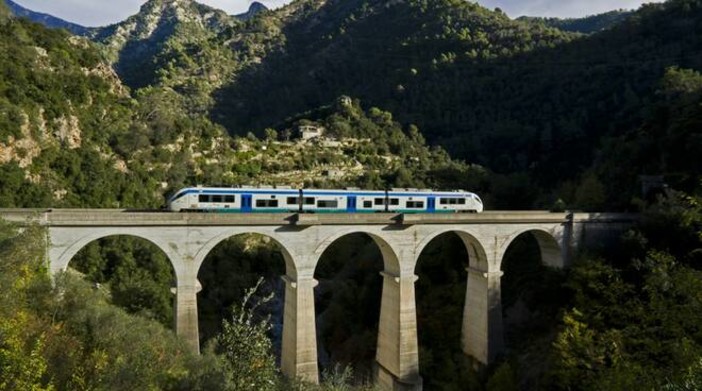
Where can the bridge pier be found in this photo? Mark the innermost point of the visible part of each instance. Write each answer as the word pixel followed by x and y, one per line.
pixel 299 350
pixel 397 357
pixel 482 336
pixel 186 326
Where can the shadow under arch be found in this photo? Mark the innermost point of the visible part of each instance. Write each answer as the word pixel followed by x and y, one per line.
pixel 443 260
pixel 532 291
pixel 348 299
pixel 137 270
pixel 205 250
pixel 391 262
pixel 477 257
pixel 550 250
pixel 228 266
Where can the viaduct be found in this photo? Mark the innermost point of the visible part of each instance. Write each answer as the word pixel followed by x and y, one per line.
pixel 187 238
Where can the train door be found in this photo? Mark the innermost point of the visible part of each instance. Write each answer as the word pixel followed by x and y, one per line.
pixel 351 204
pixel 431 204
pixel 246 203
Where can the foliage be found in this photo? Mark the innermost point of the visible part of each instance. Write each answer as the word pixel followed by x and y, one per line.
pixel 633 320
pixel 137 274
pixel 22 343
pixel 229 271
pixel 245 345
pixel 518 98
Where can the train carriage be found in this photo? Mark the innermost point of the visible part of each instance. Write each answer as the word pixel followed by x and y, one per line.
pixel 232 200
pixel 457 202
pixel 409 201
pixel 287 199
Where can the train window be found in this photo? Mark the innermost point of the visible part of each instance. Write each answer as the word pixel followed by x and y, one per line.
pixel 461 201
pixel 266 203
pixel 415 204
pixel 394 201
pixel 380 201
pixel 293 200
pixel 367 204
pixel 309 200
pixel 203 198
pixel 229 198
pixel 327 203
pixel 443 201
pixel 216 198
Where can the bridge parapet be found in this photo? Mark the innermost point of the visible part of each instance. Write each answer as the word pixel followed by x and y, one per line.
pixel 97 217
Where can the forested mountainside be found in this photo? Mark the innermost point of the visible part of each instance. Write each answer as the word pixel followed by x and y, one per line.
pixel 587 25
pixel 512 96
pixel 166 35
pixel 522 99
pixel 73 136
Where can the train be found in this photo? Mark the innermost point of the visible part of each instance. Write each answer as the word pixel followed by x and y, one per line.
pixel 280 199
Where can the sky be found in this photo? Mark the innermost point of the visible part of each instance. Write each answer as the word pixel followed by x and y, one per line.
pixel 103 12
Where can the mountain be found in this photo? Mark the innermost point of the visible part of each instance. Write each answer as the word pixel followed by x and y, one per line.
pixel 159 37
pixel 45 19
pixel 510 95
pixel 587 25
pixel 528 101
pixel 254 9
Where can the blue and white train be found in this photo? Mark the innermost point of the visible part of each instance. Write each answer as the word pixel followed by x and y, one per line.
pixel 287 199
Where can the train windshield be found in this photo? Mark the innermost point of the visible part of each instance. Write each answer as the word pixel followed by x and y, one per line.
pixel 178 195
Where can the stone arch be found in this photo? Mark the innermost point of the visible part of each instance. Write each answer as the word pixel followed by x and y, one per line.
pixel 63 260
pixel 464 330
pixel 477 255
pixel 357 262
pixel 290 265
pixel 158 298
pixel 391 260
pixel 549 246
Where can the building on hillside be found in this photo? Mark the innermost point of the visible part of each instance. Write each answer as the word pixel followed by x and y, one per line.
pixel 309 132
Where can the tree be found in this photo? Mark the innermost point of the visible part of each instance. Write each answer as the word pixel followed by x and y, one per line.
pixel 245 345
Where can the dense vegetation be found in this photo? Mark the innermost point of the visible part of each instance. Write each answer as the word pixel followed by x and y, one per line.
pixel 516 97
pixel 544 117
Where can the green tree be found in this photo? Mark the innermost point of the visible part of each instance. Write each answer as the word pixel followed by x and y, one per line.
pixel 245 345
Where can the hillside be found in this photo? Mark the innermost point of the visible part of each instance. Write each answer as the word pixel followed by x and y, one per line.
pixel 513 96
pixel 167 35
pixel 521 98
pixel 71 135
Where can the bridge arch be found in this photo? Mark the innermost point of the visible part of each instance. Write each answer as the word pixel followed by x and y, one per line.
pixel 391 260
pixel 228 265
pixel 549 246
pixel 477 256
pixel 62 261
pixel 349 268
pixel 291 267
pixel 446 299
pixel 137 269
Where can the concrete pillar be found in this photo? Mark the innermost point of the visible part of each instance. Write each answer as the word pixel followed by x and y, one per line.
pixel 397 355
pixel 482 316
pixel 186 310
pixel 299 350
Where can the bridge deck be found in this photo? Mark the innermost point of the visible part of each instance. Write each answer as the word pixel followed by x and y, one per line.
pixel 127 217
